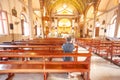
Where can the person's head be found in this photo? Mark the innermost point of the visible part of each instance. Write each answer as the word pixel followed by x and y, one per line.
pixel 68 39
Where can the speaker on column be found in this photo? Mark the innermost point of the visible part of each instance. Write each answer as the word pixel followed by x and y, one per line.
pixel 11 26
pixel 105 30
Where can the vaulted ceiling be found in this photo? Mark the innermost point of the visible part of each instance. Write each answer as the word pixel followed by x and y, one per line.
pixel 79 6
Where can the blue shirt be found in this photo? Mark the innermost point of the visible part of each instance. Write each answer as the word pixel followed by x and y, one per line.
pixel 68 48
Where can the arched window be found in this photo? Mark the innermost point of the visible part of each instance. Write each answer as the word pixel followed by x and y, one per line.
pixel 3 23
pixel 37 28
pixel 111 27
pixel 24 26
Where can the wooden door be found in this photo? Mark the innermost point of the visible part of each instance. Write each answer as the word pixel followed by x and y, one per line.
pixel 97 32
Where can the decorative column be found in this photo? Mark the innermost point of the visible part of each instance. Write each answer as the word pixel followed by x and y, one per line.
pixel 56 26
pixel 84 26
pixel 42 19
pixel 76 27
pixel 30 9
pixel 72 24
pixel 117 21
pixel 56 22
pixel 79 28
pixel 94 22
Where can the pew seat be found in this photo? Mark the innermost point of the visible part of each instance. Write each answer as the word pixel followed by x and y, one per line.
pixel 44 66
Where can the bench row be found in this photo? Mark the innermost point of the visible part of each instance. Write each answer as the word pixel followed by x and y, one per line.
pixel 109 50
pixel 41 63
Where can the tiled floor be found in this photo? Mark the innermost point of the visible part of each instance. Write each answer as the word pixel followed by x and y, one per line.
pixel 104 70
pixel 100 70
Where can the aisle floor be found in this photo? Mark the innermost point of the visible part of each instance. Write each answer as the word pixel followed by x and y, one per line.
pixel 104 70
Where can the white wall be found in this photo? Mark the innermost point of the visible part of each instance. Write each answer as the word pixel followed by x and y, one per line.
pixel 8 5
pixel 107 16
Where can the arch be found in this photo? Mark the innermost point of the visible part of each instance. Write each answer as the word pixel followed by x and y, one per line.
pixel 24 24
pixel 24 16
pixel 89 12
pixel 111 27
pixel 89 15
pixel 64 26
pixel 64 22
pixel 113 19
pixel 88 9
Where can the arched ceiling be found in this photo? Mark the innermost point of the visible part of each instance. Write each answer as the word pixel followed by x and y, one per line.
pixel 78 6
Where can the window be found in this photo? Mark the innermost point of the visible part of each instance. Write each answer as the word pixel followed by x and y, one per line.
pixel 111 27
pixel 111 30
pixel 37 28
pixel 24 25
pixel 3 23
pixel 26 29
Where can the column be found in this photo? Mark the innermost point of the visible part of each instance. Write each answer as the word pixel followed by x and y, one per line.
pixel 84 26
pixel 30 9
pixel 117 21
pixel 94 22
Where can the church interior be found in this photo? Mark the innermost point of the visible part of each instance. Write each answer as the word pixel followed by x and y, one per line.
pixel 32 33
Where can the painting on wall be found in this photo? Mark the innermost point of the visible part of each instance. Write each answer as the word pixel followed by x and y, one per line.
pixel 14 12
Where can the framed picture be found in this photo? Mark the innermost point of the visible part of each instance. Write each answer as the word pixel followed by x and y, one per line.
pixel 14 12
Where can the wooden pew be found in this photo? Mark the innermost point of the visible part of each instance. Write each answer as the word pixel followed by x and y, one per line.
pixel 115 53
pixel 46 41
pixel 24 48
pixel 89 43
pixel 36 48
pixel 21 66
pixel 104 48
pixel 84 42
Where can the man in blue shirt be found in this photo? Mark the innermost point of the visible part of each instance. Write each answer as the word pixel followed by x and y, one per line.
pixel 68 47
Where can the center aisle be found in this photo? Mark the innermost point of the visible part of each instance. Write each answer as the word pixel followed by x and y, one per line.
pixel 103 70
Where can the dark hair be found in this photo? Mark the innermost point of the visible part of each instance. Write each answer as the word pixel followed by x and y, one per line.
pixel 68 39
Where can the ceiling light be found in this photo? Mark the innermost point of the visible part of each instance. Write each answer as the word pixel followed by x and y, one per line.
pixel 64 6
